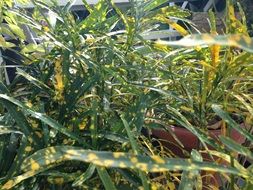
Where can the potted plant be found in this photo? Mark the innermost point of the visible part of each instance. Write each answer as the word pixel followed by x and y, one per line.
pixel 75 90
pixel 73 116
pixel 197 79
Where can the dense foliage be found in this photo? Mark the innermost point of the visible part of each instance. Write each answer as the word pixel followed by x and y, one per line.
pixel 88 94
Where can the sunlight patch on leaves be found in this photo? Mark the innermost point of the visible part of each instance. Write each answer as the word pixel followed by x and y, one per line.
pixel 236 40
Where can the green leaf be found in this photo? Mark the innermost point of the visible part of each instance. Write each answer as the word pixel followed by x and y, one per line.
pixel 226 157
pixel 130 136
pixel 55 176
pixel 87 6
pixel 130 177
pixel 236 40
pixel 85 176
pixel 31 48
pixel 244 102
pixel 192 179
pixel 249 186
pixel 97 15
pixel 19 117
pixel 53 156
pixel 18 31
pixel 3 88
pixel 136 150
pixel 34 81
pixel 198 132
pixel 224 115
pixel 154 4
pixel 20 156
pixel 106 179
pixel 43 117
pixel 5 44
pixel 168 11
pixel 236 147
pixel 5 30
pixel 69 4
pixel 8 130
pixel 81 88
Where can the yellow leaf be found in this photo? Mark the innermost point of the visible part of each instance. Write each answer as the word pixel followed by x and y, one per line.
pixel 187 109
pixel 58 75
pixel 215 53
pixel 8 185
pixel 174 25
pixel 160 46
pixel 59 84
pixel 231 12
pixel 177 27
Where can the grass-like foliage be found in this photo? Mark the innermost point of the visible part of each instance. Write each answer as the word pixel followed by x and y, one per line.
pixel 89 92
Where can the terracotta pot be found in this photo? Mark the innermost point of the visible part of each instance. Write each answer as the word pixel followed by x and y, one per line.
pixel 190 141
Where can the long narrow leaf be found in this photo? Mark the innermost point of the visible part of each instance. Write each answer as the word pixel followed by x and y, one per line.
pixel 239 41
pixel 106 179
pixel 236 147
pixel 136 151
pixel 52 156
pixel 191 179
pixel 43 117
pixel 85 176
pixel 224 115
